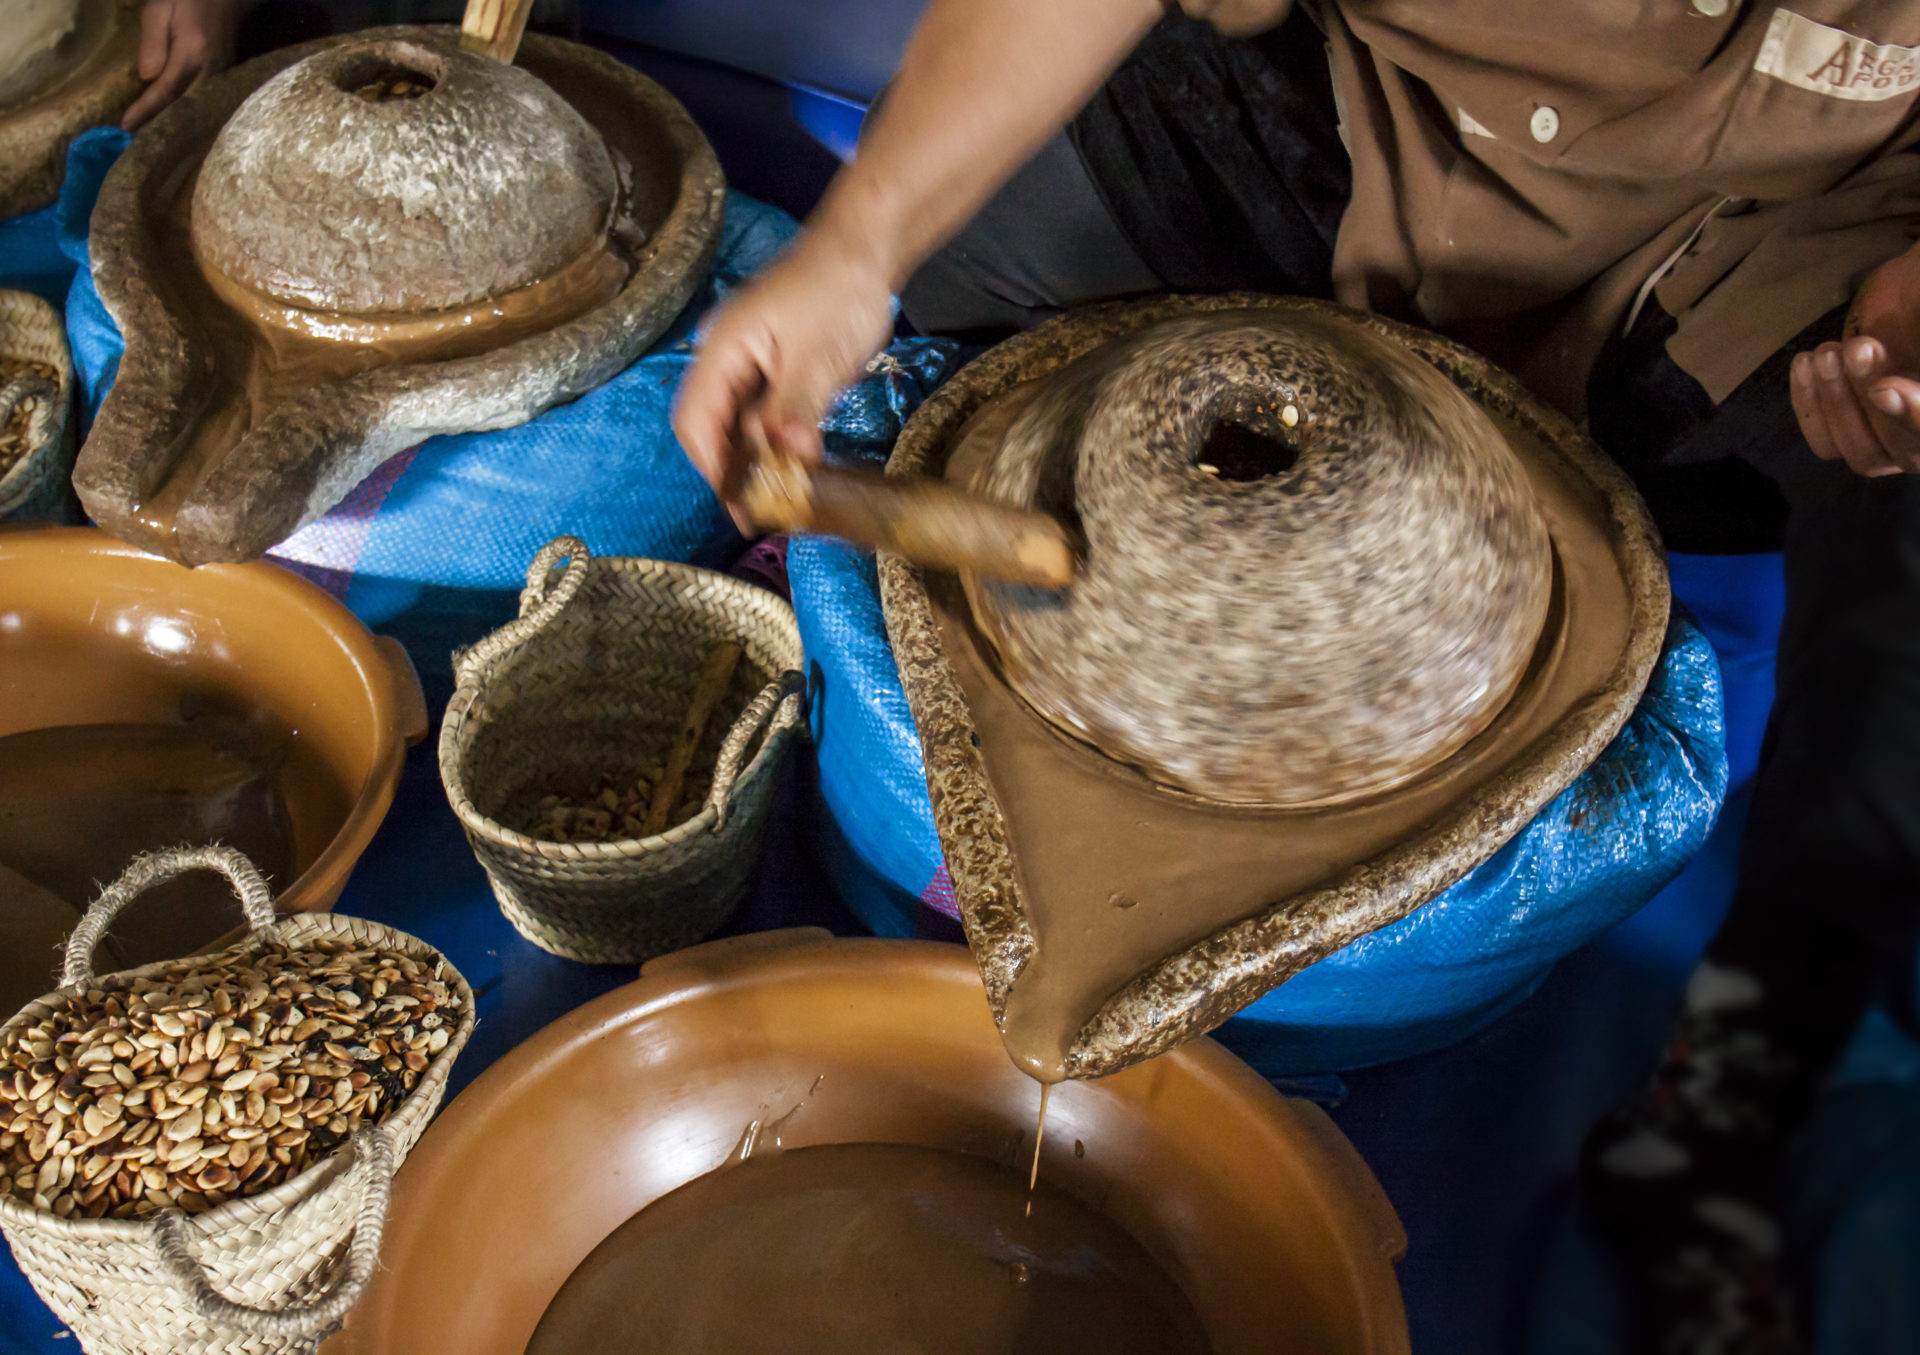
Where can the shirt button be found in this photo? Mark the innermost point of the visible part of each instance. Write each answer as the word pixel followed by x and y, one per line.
pixel 1545 124
pixel 1712 9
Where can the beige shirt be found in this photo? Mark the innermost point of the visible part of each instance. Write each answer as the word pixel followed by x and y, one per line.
pixel 1527 172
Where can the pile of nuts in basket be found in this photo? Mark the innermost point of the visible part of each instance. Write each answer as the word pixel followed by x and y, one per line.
pixel 16 402
pixel 213 1077
pixel 668 793
pixel 613 809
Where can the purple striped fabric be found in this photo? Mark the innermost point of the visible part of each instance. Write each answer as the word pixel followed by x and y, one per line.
pixel 938 895
pixel 327 550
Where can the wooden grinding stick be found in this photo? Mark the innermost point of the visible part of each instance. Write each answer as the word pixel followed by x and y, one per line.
pixel 928 521
pixel 716 674
pixel 494 27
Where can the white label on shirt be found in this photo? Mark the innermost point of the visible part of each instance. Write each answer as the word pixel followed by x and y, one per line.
pixel 1834 62
pixel 1470 127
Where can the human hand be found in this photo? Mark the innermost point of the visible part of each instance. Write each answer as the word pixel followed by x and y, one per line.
pixel 777 353
pixel 1858 400
pixel 1238 18
pixel 182 42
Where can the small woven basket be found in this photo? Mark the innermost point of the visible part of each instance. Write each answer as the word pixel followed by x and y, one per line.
pixel 592 680
pixel 37 482
pixel 266 1274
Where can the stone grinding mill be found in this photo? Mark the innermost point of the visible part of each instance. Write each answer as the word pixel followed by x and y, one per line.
pixel 1354 607
pixel 335 251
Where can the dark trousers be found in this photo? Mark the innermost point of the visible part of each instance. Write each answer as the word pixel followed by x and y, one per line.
pixel 1231 150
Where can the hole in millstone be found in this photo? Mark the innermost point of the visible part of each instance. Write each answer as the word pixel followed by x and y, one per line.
pixel 395 83
pixel 1234 450
pixel 380 77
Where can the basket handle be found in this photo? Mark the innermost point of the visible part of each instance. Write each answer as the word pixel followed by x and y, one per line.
pixel 373 1166
pixel 540 601
pixel 779 699
pixel 156 868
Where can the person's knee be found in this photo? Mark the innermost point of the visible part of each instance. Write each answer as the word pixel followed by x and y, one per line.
pixel 952 293
pixel 1043 243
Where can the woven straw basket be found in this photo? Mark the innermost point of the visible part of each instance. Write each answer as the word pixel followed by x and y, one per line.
pixel 592 680
pixel 36 485
pixel 268 1273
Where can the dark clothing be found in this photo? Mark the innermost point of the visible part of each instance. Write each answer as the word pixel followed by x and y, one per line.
pixel 1222 161
pixel 1044 242
pixel 1203 165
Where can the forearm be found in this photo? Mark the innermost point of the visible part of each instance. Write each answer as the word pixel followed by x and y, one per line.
pixel 983 84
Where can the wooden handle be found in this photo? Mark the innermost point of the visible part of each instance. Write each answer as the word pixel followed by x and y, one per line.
pixel 928 521
pixel 495 27
pixel 708 688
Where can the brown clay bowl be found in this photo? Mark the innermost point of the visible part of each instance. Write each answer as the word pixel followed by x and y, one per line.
pixel 94 631
pixel 1254 1203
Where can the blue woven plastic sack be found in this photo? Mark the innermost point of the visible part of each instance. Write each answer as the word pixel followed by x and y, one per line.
pixel 30 256
pixel 40 250
pixel 1593 856
pixel 876 826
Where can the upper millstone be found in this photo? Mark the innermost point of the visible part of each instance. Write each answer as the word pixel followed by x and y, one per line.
pixel 393 177
pixel 1314 568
